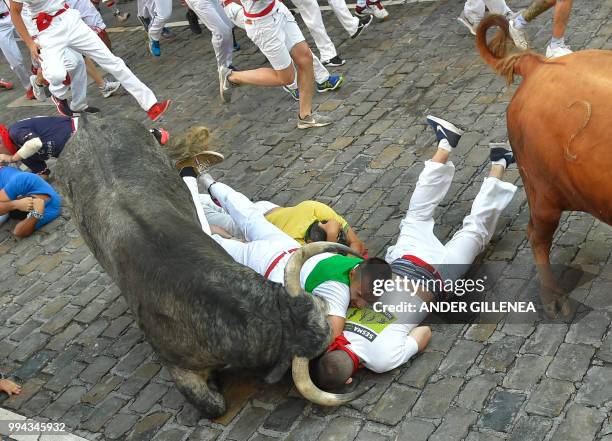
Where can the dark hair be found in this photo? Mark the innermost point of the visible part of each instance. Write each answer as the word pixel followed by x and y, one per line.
pixel 371 269
pixel 333 369
pixel 315 233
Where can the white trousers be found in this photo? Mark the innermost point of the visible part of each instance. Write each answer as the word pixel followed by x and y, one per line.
pixel 69 31
pixel 162 10
pixel 236 14
pixel 347 20
pixel 76 68
pixel 10 50
pixel 474 10
pixel 214 18
pixel 417 238
pixel 311 14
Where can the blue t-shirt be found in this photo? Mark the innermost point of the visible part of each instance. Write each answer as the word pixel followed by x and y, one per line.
pixel 17 183
pixel 53 131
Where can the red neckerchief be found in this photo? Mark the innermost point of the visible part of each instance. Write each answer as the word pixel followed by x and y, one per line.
pixel 340 344
pixel 6 140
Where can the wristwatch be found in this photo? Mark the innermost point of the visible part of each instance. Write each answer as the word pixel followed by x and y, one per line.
pixel 35 214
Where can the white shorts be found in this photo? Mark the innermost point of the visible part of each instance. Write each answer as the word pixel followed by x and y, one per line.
pixel 275 35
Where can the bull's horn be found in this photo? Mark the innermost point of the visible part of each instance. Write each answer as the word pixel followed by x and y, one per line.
pixel 292 270
pixel 303 383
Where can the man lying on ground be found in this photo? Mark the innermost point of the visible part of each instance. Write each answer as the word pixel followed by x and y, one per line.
pixel 34 140
pixel 380 341
pixel 309 221
pixel 29 198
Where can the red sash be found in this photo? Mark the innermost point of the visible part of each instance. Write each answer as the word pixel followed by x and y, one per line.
pixel 277 259
pixel 262 13
pixel 43 20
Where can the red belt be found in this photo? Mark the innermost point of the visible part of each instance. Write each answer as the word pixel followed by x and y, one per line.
pixel 422 264
pixel 276 260
pixel 262 13
pixel 4 14
pixel 43 20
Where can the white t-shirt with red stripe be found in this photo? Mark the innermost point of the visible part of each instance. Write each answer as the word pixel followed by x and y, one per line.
pixel 38 6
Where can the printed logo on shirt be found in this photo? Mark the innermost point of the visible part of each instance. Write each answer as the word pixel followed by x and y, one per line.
pixel 360 330
pixel 367 318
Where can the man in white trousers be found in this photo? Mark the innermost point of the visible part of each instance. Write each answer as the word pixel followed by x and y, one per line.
pixel 474 11
pixel 60 28
pixel 160 14
pixel 351 24
pixel 10 50
pixel 211 13
pixel 382 342
pixel 271 26
pixel 325 82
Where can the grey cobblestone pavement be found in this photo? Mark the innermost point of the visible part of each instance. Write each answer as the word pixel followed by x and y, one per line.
pixel 66 333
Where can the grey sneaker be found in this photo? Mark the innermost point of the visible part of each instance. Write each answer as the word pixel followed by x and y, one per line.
pixel 200 162
pixel 313 120
pixel 519 36
pixel 37 89
pixel 225 85
pixel 465 21
pixel 109 88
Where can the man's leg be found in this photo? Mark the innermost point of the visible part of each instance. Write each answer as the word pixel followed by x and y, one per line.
pixel 8 46
pixel 75 64
pixel 474 11
pixel 215 19
pixel 479 226
pixel 557 46
pixel 344 16
pixel 161 14
pixel 497 7
pixel 311 14
pixel 219 217
pixel 85 41
pixel 518 25
pixel 416 229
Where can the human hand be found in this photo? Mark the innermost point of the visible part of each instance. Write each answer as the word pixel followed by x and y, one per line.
pixel 9 387
pixel 6 159
pixel 35 52
pixel 24 204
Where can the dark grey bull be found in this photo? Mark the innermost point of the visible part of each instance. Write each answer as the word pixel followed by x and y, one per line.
pixel 199 309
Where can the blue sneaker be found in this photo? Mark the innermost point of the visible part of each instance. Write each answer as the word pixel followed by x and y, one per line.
pixel 332 83
pixel 295 94
pixel 154 48
pixel 445 130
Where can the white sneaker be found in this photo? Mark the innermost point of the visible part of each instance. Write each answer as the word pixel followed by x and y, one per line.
pixel 377 10
pixel 558 51
pixel 313 120
pixel 519 36
pixel 225 85
pixel 109 88
pixel 37 89
pixel 465 21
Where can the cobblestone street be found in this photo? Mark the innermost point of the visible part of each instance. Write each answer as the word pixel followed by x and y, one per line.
pixel 67 336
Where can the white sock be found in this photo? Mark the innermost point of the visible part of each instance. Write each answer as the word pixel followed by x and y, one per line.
pixel 444 145
pixel 501 162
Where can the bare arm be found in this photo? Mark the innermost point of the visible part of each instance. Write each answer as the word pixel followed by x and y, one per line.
pixel 355 243
pixel 7 205
pixel 27 226
pixel 337 325
pixel 20 26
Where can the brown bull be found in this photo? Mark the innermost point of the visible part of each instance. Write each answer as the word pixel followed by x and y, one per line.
pixel 559 126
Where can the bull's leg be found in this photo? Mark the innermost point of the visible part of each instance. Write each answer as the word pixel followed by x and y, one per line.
pixel 543 222
pixel 196 389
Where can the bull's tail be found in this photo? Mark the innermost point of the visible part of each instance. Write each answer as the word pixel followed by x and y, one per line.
pixel 496 53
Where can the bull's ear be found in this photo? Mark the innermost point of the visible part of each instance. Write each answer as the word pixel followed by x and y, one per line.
pixel 277 372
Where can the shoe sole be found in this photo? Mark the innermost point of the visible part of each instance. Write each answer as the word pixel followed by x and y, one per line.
pixel 57 106
pixel 360 31
pixel 226 97
pixel 330 89
pixel 467 24
pixel 446 124
pixel 210 156
pixel 311 126
pixel 163 111
pixel 38 96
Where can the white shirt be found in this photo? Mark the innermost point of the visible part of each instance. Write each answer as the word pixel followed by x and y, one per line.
pixel 380 344
pixel 38 6
pixel 89 13
pixel 3 7
pixel 337 295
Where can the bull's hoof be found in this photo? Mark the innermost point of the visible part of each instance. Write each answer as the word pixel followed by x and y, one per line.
pixel 198 392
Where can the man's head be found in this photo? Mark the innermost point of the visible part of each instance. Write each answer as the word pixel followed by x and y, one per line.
pixel 328 230
pixel 333 369
pixel 362 279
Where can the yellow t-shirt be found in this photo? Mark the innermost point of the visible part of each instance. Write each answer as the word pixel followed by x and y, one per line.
pixel 295 220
